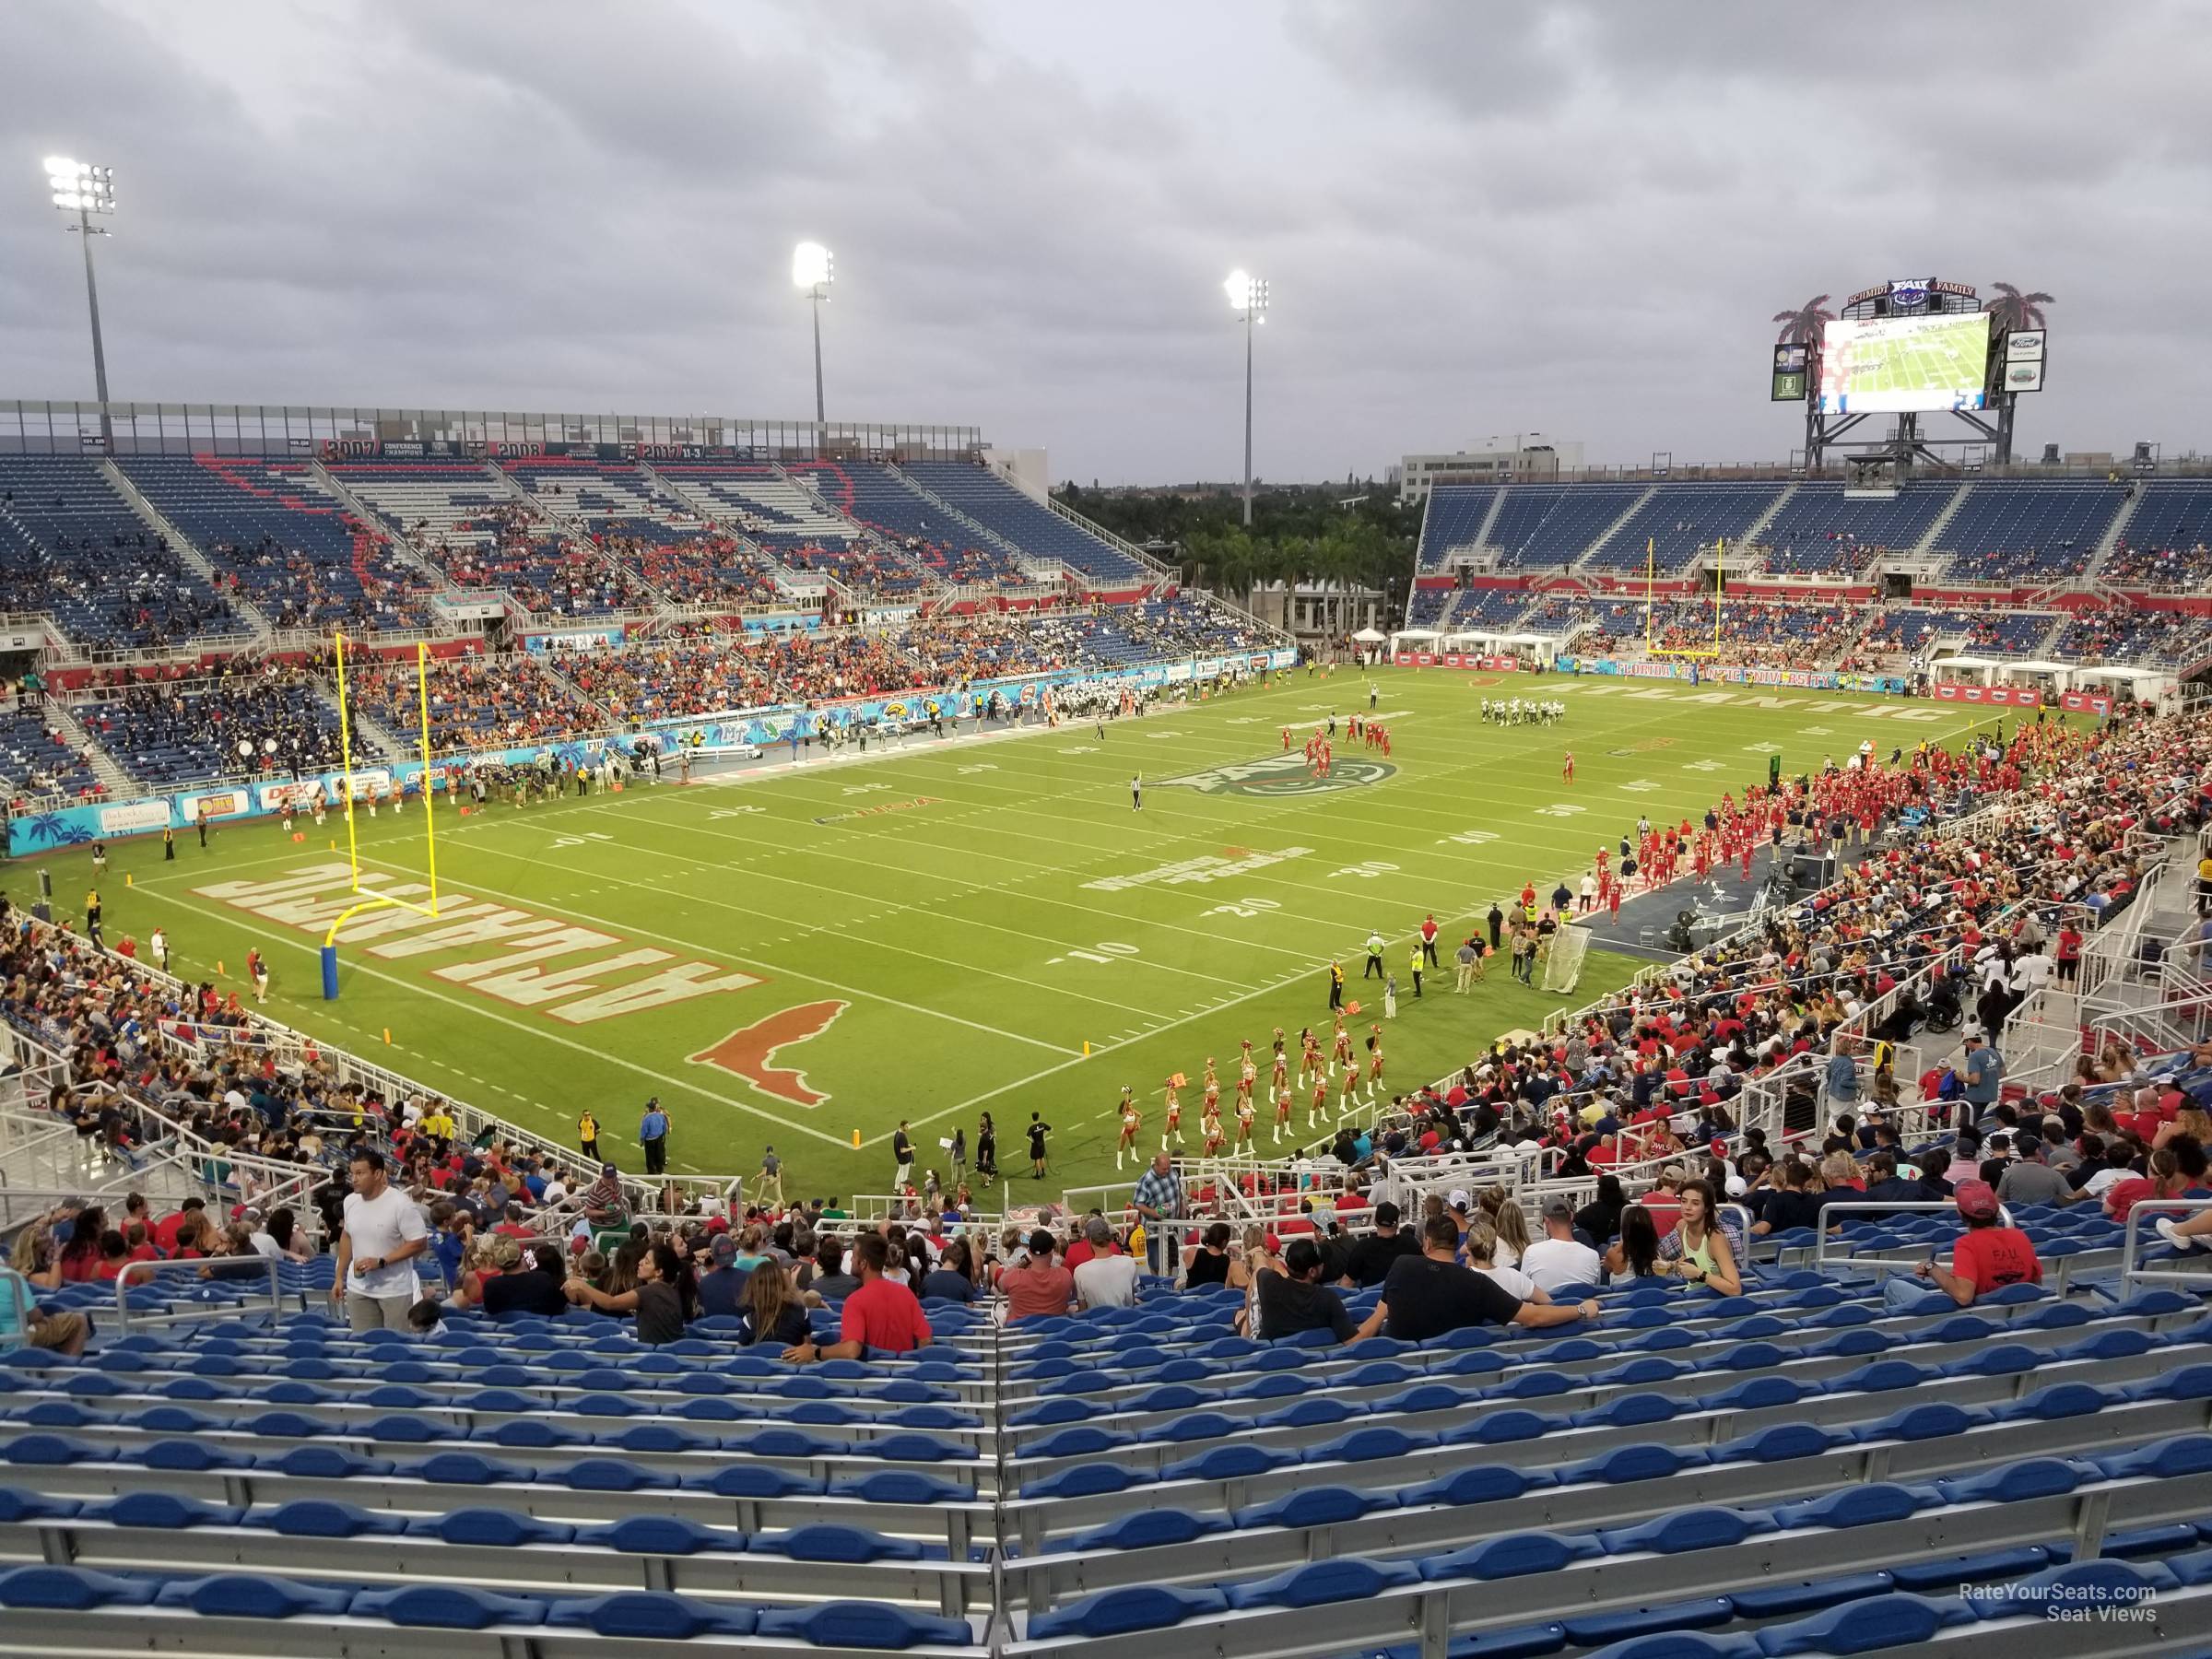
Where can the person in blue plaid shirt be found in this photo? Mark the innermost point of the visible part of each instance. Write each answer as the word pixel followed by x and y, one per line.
pixel 1159 1200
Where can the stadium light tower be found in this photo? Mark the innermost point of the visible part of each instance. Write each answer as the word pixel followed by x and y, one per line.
pixel 812 270
pixel 1247 296
pixel 83 189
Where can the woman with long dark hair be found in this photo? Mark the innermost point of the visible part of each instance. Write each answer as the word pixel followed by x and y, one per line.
pixel 1635 1254
pixel 80 1255
pixel 986 1149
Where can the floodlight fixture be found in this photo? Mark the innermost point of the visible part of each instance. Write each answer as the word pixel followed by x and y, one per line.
pixel 84 189
pixel 1248 298
pixel 812 267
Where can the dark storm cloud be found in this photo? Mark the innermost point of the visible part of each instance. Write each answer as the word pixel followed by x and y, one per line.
pixel 1574 218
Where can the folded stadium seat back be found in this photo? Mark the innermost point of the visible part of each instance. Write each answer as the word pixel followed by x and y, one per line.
pixel 186 1457
pixel 31 1450
pixel 2159 1540
pixel 855 1624
pixel 1140 1529
pixel 164 1511
pixel 447 1607
pixel 850 1546
pixel 1794 1600
pixel 317 1518
pixel 1896 1620
pixel 1368 1445
pixel 1639 1461
pixel 662 1536
pixel 1627 1410
pixel 466 1468
pixel 71 1589
pixel 1124 1611
pixel 491 1528
pixel 754 1480
pixel 653 1616
pixel 2059 1400
pixel 1317 1583
pixel 1425 1397
pixel 1238 1460
pixel 1276 1385
pixel 1934 1420
pixel 17 1504
pixel 2074 1583
pixel 244 1596
pixel 2181 1455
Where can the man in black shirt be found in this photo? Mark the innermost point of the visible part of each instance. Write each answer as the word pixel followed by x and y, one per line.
pixel 531 1289
pixel 1297 1300
pixel 1039 1129
pixel 1370 1259
pixel 902 1155
pixel 1497 921
pixel 1427 1295
pixel 1795 1205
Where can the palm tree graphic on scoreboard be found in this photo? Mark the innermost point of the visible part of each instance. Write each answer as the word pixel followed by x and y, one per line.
pixel 2014 311
pixel 1802 326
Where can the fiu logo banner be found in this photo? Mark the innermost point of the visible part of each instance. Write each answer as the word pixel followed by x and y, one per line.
pixel 1280 775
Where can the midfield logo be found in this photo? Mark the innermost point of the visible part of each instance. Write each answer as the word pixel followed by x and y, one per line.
pixel 1280 775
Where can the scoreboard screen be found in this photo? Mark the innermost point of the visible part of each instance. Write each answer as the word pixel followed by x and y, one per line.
pixel 1900 365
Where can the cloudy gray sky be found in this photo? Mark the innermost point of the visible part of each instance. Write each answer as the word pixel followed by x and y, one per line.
pixel 1476 217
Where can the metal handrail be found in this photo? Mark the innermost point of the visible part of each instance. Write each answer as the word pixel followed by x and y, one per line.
pixel 152 1269
pixel 2130 1243
pixel 1868 1206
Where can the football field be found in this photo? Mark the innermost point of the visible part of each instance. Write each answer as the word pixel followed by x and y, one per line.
pixel 981 924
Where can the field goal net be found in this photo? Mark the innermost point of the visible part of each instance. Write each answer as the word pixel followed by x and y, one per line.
pixel 1693 625
pixel 1563 968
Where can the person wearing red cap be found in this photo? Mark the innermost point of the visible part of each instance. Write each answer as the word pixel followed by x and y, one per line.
pixel 1987 1256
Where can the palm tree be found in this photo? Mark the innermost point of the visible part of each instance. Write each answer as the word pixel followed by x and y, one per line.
pixel 1802 326
pixel 2014 310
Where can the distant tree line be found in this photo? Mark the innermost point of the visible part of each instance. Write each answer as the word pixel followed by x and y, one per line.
pixel 1354 533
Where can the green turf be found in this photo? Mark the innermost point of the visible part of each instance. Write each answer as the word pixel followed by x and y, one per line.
pixel 973 960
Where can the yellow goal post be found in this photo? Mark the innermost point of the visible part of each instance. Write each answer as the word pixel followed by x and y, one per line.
pixel 1651 579
pixel 352 792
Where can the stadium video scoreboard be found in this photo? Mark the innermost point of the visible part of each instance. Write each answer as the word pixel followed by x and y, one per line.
pixel 1908 362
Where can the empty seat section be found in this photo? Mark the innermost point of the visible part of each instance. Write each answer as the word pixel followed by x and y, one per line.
pixel 2167 542
pixel 289 545
pixel 1020 519
pixel 2028 531
pixel 71 547
pixel 1549 526
pixel 1680 521
pixel 1454 522
pixel 1823 530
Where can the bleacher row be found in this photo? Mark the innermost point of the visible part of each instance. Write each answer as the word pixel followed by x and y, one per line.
pixel 1998 531
pixel 568 536
pixel 1774 1468
pixel 1768 626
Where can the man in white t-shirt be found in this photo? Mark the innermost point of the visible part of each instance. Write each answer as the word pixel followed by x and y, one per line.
pixel 1559 1258
pixel 385 1232
pixel 1108 1278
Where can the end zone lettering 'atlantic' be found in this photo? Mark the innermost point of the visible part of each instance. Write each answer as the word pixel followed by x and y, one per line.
pixel 1284 775
pixel 748 1053
pixel 312 898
